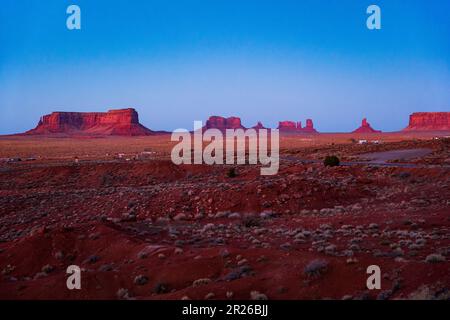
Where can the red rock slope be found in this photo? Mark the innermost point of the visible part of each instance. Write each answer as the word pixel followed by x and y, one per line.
pixel 122 122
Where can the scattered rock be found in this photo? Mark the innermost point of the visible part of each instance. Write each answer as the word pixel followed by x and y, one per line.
pixel 201 282
pixel 209 296
pixel 256 295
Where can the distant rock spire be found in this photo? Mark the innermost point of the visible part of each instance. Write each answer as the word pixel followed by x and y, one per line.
pixel 365 128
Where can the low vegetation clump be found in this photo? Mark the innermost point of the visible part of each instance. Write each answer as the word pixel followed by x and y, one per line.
pixel 232 173
pixel 316 268
pixel 331 161
pixel 141 280
pixel 250 221
pixel 435 258
pixel 160 288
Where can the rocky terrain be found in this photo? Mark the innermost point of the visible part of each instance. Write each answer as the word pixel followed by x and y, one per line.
pixel 142 228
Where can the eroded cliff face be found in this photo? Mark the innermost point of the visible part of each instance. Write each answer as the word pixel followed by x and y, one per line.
pixel 291 126
pixel 114 122
pixel 366 128
pixel 429 121
pixel 221 123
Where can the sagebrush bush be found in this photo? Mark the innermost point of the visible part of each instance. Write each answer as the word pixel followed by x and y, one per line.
pixel 316 268
pixel 160 288
pixel 331 161
pixel 232 173
pixel 249 221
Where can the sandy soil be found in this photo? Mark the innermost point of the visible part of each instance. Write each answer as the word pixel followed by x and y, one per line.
pixel 387 156
pixel 143 228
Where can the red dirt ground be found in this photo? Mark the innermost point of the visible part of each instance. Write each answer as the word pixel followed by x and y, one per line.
pixel 172 225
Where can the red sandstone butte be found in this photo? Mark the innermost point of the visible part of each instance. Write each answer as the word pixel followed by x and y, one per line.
pixel 429 121
pixel 221 123
pixel 122 122
pixel 291 126
pixel 365 128
pixel 288 126
pixel 309 126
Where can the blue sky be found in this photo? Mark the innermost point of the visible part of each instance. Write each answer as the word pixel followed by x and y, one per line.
pixel 180 61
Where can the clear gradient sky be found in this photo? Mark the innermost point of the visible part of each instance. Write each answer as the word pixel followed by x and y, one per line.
pixel 180 61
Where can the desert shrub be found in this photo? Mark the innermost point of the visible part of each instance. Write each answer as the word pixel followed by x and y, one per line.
pixel 316 268
pixel 435 258
pixel 404 175
pixel 141 280
pixel 123 294
pixel 249 221
pixel 107 179
pixel 331 161
pixel 160 288
pixel 232 173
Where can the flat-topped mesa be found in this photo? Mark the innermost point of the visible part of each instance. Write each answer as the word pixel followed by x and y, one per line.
pixel 288 126
pixel 221 123
pixel 429 121
pixel 366 128
pixel 123 122
pixel 291 126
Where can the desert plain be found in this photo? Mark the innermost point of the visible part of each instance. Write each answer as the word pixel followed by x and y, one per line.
pixel 141 227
